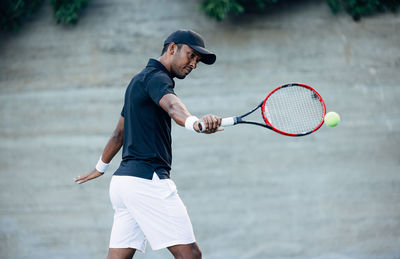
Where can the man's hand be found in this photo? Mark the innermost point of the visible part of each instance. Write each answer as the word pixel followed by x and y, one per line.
pixel 86 177
pixel 212 123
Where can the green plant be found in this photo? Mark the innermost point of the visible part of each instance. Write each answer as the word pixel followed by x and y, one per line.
pixel 358 8
pixel 14 12
pixel 219 9
pixel 67 11
pixel 335 5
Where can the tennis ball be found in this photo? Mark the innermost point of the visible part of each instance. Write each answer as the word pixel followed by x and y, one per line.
pixel 332 119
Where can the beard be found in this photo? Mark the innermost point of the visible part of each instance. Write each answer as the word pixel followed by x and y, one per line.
pixel 180 76
pixel 178 73
pixel 176 70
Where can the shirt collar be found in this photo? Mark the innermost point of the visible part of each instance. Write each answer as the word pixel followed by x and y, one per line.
pixel 157 64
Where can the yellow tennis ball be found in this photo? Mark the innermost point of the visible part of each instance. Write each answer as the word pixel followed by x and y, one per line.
pixel 332 119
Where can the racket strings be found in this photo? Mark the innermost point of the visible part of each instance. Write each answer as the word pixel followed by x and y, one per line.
pixel 294 109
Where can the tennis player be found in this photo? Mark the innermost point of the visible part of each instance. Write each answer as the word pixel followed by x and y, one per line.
pixel 146 204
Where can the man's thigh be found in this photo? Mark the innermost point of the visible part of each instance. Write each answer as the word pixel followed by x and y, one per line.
pixel 159 212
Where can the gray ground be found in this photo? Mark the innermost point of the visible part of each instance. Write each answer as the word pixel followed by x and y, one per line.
pixel 251 193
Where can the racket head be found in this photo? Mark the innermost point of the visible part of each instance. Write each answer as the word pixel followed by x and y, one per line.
pixel 294 110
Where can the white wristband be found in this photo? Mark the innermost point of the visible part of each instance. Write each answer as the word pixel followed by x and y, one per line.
pixel 190 121
pixel 101 166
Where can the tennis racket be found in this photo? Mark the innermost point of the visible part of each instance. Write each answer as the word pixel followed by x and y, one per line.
pixel 292 109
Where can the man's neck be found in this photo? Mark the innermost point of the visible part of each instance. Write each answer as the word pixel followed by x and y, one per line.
pixel 165 63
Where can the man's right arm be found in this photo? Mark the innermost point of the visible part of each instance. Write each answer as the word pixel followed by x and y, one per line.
pixel 179 113
pixel 111 149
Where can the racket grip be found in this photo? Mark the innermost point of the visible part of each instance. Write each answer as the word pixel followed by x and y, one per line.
pixel 230 121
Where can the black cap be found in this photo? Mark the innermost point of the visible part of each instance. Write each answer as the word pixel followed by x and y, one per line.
pixel 193 40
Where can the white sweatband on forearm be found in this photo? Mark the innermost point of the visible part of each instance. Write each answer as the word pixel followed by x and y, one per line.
pixel 190 121
pixel 101 166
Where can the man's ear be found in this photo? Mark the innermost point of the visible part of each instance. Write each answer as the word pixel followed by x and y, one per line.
pixel 172 48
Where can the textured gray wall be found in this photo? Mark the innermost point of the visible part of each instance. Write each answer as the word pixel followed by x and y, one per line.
pixel 250 193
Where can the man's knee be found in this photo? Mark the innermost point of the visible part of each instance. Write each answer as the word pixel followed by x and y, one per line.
pixel 121 253
pixel 196 252
pixel 191 251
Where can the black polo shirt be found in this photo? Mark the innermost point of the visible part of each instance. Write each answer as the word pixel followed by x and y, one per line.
pixel 147 127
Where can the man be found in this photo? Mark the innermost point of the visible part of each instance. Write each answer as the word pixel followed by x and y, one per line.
pixel 144 198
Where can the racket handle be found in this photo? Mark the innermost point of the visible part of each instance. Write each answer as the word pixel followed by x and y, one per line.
pixel 230 121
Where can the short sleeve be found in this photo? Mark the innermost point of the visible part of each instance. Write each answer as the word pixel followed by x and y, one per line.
pixel 123 112
pixel 158 86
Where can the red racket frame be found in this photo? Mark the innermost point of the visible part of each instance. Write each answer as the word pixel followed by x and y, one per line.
pixel 286 133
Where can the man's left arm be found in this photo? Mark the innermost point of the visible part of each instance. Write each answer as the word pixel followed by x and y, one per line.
pixel 112 147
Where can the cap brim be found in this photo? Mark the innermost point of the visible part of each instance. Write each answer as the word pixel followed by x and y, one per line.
pixel 207 57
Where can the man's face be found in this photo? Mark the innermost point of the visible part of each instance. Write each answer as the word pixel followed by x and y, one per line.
pixel 184 61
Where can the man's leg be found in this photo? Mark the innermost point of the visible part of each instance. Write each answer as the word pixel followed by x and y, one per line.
pixel 190 251
pixel 120 253
pixel 126 236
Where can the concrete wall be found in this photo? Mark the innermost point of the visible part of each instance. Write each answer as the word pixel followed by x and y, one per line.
pixel 251 193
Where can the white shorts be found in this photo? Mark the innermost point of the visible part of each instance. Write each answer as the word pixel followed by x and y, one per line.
pixel 148 210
